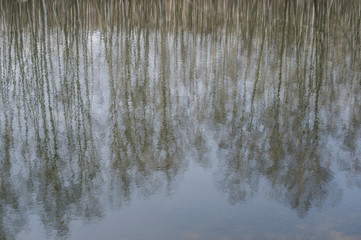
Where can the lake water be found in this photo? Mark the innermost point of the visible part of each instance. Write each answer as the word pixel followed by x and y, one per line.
pixel 180 119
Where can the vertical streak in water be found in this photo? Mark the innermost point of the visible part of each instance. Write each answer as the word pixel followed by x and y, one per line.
pixel 213 66
pixel 113 98
pixel 7 138
pixel 136 89
pixel 192 70
pixel 47 55
pixel 223 95
pixel 276 146
pixel 320 59
pixel 81 127
pixel 18 52
pixel 206 81
pixel 258 73
pixel 234 77
pixel 198 76
pixel 85 36
pixel 38 100
pixel 130 99
pixel 147 103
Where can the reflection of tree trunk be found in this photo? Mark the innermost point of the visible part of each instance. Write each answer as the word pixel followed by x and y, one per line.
pixel 165 137
pixel 257 75
pixel 276 143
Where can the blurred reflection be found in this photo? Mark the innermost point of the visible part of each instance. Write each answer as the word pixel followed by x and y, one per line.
pixel 101 101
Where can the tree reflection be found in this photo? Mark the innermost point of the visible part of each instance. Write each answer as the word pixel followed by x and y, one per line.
pixel 99 102
pixel 286 138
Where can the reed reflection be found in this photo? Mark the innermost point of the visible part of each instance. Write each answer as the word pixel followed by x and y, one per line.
pixel 101 102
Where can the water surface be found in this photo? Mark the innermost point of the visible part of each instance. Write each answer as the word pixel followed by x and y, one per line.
pixel 180 120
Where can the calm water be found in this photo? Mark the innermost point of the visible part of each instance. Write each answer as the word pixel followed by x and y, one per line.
pixel 180 120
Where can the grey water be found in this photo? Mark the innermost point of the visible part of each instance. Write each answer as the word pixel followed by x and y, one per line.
pixel 180 119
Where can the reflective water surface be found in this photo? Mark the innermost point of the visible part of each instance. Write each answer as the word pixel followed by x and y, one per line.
pixel 180 119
